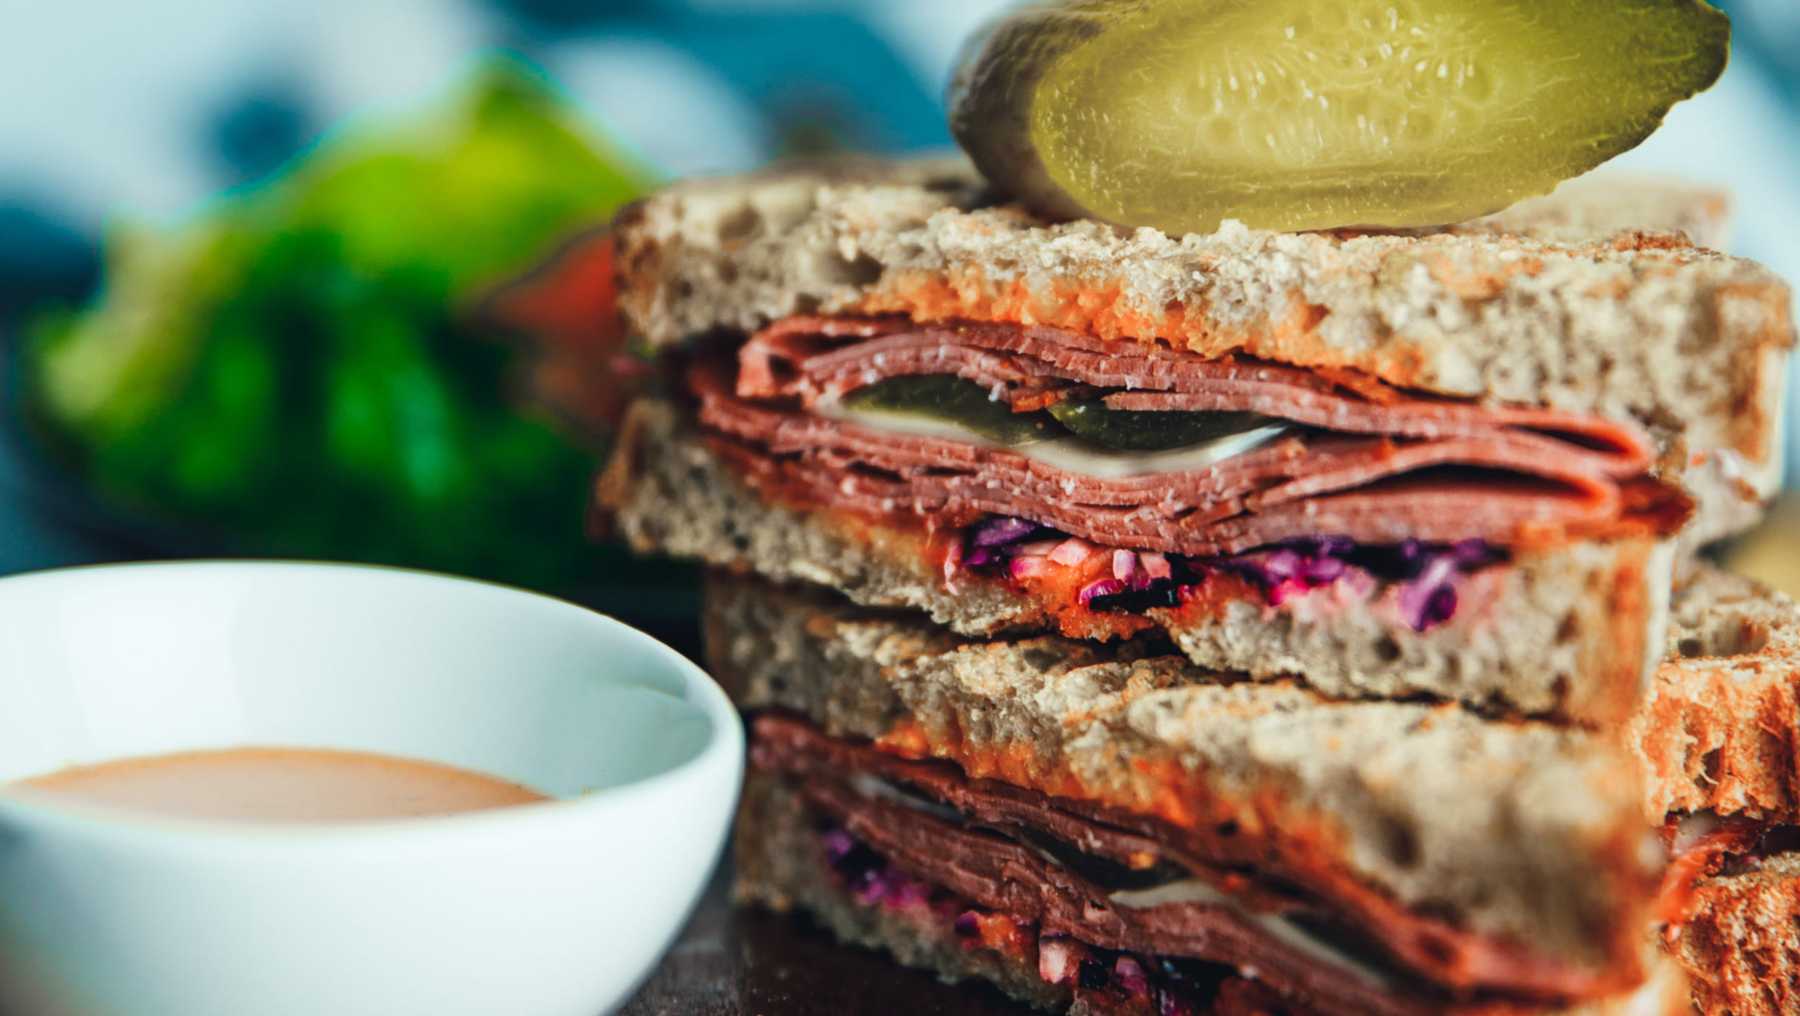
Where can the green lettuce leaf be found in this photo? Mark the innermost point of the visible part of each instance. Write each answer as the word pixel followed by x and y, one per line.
pixel 293 371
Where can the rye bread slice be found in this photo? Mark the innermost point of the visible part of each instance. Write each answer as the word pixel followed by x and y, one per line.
pixel 1719 735
pixel 1720 730
pixel 1741 945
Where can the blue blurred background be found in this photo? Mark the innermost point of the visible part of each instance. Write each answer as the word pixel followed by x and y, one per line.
pixel 125 115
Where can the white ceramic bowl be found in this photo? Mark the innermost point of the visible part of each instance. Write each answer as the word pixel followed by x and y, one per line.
pixel 555 908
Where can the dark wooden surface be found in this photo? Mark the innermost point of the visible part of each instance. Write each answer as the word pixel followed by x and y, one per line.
pixel 733 962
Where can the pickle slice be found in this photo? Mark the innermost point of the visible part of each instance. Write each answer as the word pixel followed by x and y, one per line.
pixel 1149 432
pixel 1299 114
pixel 942 397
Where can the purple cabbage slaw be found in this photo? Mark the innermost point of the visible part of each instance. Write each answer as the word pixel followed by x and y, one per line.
pixel 873 881
pixel 868 876
pixel 1428 572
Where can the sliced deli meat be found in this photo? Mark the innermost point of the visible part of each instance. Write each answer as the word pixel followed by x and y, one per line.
pixel 1504 484
pixel 820 359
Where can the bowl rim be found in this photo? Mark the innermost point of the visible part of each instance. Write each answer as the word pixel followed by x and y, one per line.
pixel 721 758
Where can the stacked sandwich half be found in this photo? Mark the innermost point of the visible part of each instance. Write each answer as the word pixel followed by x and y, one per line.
pixel 1719 740
pixel 1247 622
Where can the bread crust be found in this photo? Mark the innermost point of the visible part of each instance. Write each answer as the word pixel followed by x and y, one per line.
pixel 1566 302
pixel 1720 730
pixel 1571 632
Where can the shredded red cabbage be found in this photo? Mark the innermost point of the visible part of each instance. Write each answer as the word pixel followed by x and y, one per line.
pixel 868 875
pixel 1130 976
pixel 1099 588
pixel 1000 531
pixel 1428 572
pixel 1174 985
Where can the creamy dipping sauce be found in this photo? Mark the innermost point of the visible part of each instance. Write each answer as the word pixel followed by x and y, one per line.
pixel 284 785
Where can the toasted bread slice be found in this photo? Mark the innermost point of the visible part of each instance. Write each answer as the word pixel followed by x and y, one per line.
pixel 1565 302
pixel 1528 836
pixel 1741 945
pixel 1721 729
pixel 1718 735
pixel 1571 632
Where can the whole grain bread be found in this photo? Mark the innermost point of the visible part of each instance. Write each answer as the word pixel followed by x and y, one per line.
pixel 1720 730
pixel 1586 300
pixel 1571 632
pixel 778 865
pixel 1524 832
pixel 1719 734
pixel 1741 946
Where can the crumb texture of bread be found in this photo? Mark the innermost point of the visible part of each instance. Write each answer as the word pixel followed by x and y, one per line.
pixel 1527 832
pixel 778 866
pixel 1568 632
pixel 1721 729
pixel 1741 947
pixel 1554 303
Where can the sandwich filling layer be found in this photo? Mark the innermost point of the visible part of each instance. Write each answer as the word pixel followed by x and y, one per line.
pixel 1114 481
pixel 1705 845
pixel 1117 882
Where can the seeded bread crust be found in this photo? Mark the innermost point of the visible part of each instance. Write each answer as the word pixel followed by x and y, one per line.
pixel 1522 831
pixel 1565 301
pixel 1741 948
pixel 1572 632
pixel 1721 728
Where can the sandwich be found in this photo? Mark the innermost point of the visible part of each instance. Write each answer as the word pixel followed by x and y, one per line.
pixel 1719 742
pixel 1456 464
pixel 1111 828
pixel 1227 620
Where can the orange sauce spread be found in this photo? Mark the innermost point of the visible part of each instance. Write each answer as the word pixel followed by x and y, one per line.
pixel 1002 934
pixel 1162 787
pixel 1103 312
pixel 1057 587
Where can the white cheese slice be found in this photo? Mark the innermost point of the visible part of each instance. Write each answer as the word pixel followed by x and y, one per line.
pixel 1071 454
pixel 1187 890
pixel 1193 890
pixel 876 788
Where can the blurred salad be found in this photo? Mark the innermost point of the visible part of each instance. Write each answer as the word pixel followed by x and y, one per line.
pixel 298 372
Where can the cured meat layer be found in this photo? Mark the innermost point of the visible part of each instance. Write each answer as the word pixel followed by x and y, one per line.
pixel 1502 483
pixel 821 359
